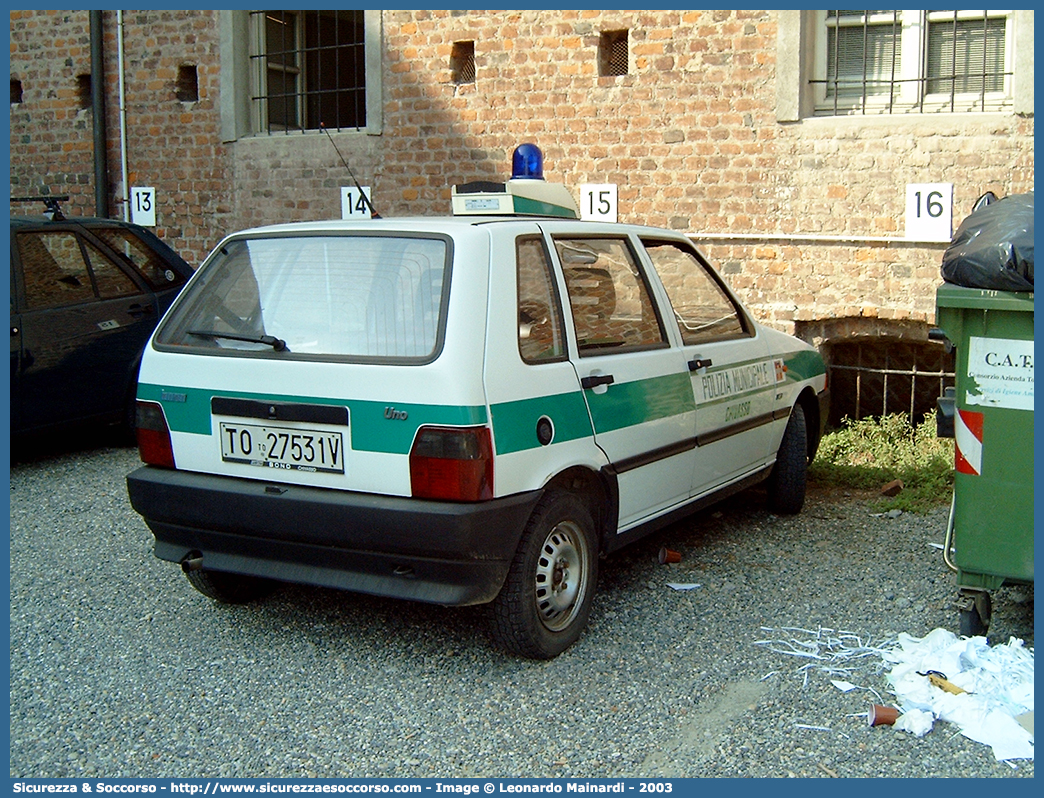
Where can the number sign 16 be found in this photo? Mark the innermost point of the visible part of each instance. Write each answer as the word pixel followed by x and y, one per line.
pixel 929 211
pixel 353 204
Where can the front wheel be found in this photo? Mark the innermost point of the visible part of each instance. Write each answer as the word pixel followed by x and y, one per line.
pixel 546 599
pixel 788 480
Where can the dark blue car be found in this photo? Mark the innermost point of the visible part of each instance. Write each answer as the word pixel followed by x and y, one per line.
pixel 86 294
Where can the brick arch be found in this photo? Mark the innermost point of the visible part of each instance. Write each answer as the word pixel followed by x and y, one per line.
pixel 880 366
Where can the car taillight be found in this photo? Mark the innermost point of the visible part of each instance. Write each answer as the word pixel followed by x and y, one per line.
pixel 452 464
pixel 154 445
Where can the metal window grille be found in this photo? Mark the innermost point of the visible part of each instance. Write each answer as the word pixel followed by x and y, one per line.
pixel 462 62
pixel 613 55
pixel 309 70
pixel 958 61
pixel 880 378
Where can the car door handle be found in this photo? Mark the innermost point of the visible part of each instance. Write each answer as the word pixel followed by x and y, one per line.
pixel 595 380
pixel 137 310
pixel 698 363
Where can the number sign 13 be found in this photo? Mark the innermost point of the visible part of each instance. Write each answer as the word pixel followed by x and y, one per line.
pixel 929 211
pixel 143 206
pixel 598 202
pixel 353 204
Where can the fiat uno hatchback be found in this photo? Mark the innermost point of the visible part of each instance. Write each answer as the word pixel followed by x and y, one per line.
pixel 461 410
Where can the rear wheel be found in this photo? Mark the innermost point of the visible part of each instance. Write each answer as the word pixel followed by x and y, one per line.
pixel 546 599
pixel 229 588
pixel 789 477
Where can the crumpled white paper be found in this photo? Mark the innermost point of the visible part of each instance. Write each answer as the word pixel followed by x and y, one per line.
pixel 916 721
pixel 998 681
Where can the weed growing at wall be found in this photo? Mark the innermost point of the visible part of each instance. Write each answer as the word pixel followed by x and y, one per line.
pixel 871 452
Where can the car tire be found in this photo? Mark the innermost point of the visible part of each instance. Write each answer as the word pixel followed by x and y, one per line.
pixel 546 599
pixel 789 477
pixel 229 588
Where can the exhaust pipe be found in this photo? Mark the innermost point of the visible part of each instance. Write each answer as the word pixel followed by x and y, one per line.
pixel 193 562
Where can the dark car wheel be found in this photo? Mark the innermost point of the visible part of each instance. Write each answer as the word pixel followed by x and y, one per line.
pixel 787 482
pixel 229 588
pixel 546 599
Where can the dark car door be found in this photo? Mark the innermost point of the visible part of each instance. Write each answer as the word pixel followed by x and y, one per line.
pixel 81 323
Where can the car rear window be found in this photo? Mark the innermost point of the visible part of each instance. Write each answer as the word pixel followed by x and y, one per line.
pixel 363 296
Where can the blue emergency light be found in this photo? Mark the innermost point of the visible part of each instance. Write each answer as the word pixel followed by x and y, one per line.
pixel 525 194
pixel 527 163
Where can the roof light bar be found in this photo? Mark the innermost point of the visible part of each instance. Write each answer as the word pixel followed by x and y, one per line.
pixel 525 194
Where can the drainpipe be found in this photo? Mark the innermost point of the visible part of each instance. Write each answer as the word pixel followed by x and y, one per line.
pixel 101 171
pixel 125 199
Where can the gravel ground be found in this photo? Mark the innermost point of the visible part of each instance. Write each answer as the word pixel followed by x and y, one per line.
pixel 120 669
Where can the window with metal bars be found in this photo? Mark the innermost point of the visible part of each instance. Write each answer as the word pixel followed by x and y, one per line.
pixel 462 62
pixel 308 69
pixel 879 377
pixel 881 62
pixel 612 53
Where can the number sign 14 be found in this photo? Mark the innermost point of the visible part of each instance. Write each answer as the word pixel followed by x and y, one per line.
pixel 143 205
pixel 353 204
pixel 929 211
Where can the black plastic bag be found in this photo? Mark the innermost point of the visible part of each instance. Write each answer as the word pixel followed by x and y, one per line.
pixel 993 247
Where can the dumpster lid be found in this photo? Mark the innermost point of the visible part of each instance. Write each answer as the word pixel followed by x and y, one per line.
pixel 955 296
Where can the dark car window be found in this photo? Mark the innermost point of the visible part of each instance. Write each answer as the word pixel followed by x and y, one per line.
pixel 56 272
pixel 153 269
pixel 110 280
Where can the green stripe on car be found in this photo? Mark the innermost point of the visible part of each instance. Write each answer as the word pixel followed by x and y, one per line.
pixel 382 427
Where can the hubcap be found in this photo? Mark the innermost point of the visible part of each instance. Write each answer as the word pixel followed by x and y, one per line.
pixel 561 576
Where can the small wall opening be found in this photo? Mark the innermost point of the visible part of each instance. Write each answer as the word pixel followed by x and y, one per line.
pixel 83 91
pixel 462 63
pixel 187 87
pixel 613 53
pixel 16 91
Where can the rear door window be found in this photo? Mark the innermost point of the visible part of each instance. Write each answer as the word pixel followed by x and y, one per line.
pixel 380 297
pixel 611 305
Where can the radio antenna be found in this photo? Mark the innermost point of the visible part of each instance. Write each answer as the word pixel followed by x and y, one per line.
pixel 373 211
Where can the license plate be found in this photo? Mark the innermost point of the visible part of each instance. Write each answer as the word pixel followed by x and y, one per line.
pixel 285 448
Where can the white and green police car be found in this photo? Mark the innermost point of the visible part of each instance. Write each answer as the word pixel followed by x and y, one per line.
pixel 461 410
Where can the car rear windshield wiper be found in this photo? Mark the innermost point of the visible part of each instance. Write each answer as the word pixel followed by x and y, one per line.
pixel 278 344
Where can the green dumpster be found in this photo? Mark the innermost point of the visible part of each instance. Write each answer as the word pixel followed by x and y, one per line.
pixel 990 536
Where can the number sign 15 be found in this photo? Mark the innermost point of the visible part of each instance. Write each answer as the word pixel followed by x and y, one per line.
pixel 353 204
pixel 929 211
pixel 143 205
pixel 598 202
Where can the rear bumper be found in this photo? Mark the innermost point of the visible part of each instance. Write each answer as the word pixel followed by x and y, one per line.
pixel 437 552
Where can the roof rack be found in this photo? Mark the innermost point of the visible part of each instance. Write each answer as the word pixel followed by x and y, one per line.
pixel 52 209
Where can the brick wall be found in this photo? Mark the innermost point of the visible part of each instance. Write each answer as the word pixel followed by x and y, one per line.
pixel 173 146
pixel 689 136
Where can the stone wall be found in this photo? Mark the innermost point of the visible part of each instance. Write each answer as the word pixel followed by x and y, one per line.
pixel 804 219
